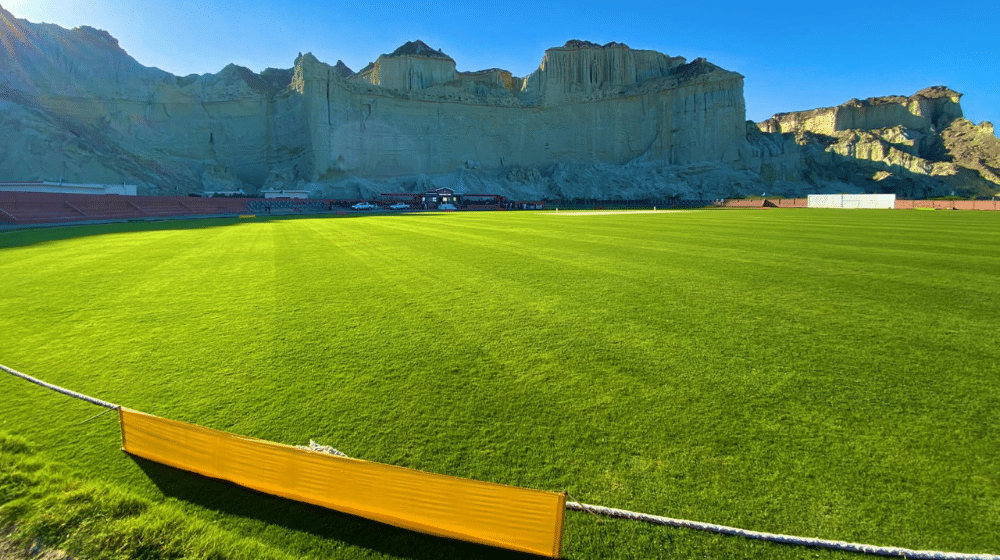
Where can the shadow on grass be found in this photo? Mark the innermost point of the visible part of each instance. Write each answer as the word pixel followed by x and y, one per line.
pixel 23 236
pixel 236 501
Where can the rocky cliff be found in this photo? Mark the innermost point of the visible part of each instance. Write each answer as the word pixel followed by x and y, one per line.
pixel 79 108
pixel 432 123
pixel 916 146
pixel 599 121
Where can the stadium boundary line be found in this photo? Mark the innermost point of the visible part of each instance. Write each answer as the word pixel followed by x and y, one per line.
pixel 655 519
pixel 59 389
pixel 777 538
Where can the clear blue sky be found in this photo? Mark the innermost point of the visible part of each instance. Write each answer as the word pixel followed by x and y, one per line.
pixel 794 55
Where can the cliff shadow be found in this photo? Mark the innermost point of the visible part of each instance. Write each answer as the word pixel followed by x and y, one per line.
pixel 890 178
pixel 14 235
pixel 232 500
pixel 905 166
pixel 33 234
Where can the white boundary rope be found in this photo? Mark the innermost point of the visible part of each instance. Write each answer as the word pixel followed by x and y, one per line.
pixel 786 539
pixel 59 389
pixel 635 516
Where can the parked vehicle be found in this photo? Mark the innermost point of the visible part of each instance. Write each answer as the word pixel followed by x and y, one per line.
pixel 363 206
pixel 399 206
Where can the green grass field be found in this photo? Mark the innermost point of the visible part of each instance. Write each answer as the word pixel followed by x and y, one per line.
pixel 821 373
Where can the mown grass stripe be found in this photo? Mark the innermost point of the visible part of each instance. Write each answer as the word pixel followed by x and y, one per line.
pixel 794 371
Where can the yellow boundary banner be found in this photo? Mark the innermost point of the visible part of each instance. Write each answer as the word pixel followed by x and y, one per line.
pixel 481 512
pixel 154 438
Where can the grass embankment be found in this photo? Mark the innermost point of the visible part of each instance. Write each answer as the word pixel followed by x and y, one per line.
pixel 44 506
pixel 822 373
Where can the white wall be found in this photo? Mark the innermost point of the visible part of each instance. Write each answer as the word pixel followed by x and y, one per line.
pixel 285 194
pixel 882 201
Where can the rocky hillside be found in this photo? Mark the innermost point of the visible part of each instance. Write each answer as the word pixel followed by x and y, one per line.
pixel 75 106
pixel 597 121
pixel 915 146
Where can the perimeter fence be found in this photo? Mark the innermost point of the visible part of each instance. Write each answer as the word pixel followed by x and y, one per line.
pixel 26 208
pixel 900 204
pixel 41 208
pixel 949 204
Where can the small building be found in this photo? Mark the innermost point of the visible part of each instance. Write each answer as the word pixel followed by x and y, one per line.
pixel 436 197
pixel 285 194
pixel 68 188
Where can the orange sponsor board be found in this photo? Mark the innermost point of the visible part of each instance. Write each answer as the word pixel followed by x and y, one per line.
pixel 482 512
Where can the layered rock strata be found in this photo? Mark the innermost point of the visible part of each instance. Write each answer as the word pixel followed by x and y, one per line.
pixel 596 121
pixel 409 113
pixel 916 146
pixel 930 109
pixel 616 111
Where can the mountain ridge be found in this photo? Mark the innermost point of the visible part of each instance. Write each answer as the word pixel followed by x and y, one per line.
pixel 606 121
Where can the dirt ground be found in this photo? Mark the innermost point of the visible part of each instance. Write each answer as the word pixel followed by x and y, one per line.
pixel 10 551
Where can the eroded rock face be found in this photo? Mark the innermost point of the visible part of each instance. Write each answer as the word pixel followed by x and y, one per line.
pixel 975 147
pixel 89 112
pixel 674 114
pixel 409 113
pixel 412 67
pixel 915 146
pixel 597 121
pixel 929 110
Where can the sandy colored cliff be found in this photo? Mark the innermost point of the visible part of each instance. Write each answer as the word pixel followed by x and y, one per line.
pixel 596 121
pixel 915 146
pixel 674 112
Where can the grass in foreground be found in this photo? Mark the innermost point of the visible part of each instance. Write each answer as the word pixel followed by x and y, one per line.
pixel 820 373
pixel 49 508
